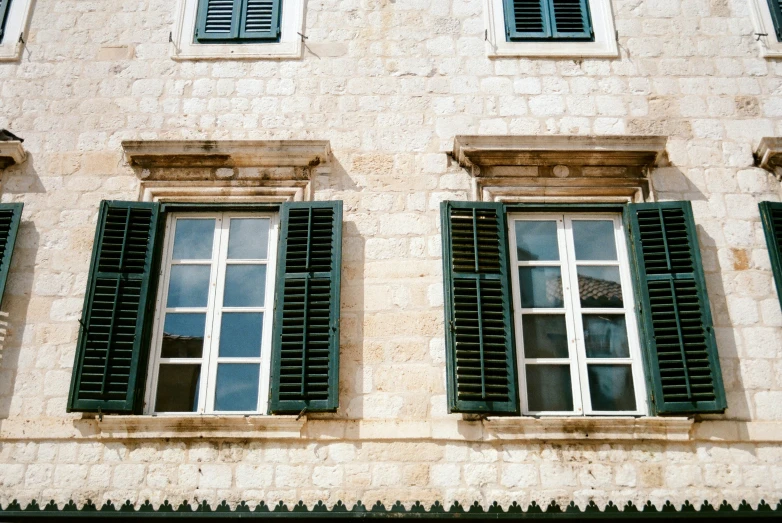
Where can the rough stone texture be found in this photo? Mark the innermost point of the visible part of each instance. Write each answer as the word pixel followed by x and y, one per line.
pixel 393 85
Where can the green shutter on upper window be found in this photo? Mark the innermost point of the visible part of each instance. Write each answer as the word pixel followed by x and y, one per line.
pixel 238 20
pixel 10 217
pixel 771 216
pixel 547 20
pixel 305 346
pixel 680 349
pixel 111 354
pixel 775 7
pixel 5 6
pixel 480 356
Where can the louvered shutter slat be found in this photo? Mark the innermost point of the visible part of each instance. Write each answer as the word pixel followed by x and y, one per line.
pixel 479 340
pixel 218 20
pixel 547 20
pixel 10 218
pixel 681 351
pixel 261 19
pixel 108 372
pixel 305 356
pixel 771 216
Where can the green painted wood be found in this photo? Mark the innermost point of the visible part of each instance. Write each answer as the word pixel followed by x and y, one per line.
pixel 5 7
pixel 771 216
pixel 109 367
pixel 225 21
pixel 305 338
pixel 480 353
pixel 775 7
pixel 681 351
pixel 529 20
pixel 10 218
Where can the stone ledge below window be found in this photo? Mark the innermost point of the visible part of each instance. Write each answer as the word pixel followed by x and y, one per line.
pixel 560 168
pixel 11 153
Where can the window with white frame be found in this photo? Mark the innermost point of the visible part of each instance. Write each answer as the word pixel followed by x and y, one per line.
pixel 212 333
pixel 14 15
pixel 576 334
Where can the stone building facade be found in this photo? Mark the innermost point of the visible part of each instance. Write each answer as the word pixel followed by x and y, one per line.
pixel 384 88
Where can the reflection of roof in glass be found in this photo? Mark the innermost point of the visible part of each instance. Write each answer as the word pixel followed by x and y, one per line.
pixel 589 289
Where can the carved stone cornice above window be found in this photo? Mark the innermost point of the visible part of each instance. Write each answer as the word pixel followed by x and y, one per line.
pixel 252 170
pixel 769 155
pixel 560 168
pixel 11 153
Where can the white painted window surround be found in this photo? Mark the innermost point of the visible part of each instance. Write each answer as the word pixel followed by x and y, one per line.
pixel 604 44
pixel 15 26
pixel 760 13
pixel 183 46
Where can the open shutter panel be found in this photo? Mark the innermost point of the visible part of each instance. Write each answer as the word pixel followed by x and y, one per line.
pixel 218 19
pixel 480 356
pixel 547 19
pixel 775 7
pixel 261 19
pixel 5 6
pixel 10 216
pixel 305 348
pixel 108 372
pixel 681 351
pixel 771 215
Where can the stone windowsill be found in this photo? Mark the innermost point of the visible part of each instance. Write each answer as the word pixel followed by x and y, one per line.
pixel 11 153
pixel 187 427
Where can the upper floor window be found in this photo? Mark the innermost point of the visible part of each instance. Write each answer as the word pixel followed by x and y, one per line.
pixel 238 20
pixel 14 15
pixel 548 20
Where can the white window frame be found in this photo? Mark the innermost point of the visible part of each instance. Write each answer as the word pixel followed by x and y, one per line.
pixel 209 359
pixel 573 318
pixel 15 27
pixel 760 13
pixel 184 46
pixel 603 45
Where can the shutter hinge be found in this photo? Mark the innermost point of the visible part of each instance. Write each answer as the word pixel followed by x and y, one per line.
pixel 302 413
pixel 453 327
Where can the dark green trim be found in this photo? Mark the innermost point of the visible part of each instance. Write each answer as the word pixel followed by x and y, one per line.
pixel 219 207
pixel 674 283
pixel 769 211
pixel 144 277
pixel 5 7
pixel 475 512
pixel 776 17
pixel 15 211
pixel 300 279
pixel 458 394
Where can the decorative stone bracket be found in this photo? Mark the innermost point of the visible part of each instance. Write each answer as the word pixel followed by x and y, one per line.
pixel 769 155
pixel 11 153
pixel 560 168
pixel 252 170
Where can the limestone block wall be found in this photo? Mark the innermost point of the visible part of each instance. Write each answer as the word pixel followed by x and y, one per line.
pixel 389 83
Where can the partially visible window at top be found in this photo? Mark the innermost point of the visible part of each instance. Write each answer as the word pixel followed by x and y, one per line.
pixel 548 20
pixel 776 16
pixel 4 8
pixel 238 21
pixel 13 22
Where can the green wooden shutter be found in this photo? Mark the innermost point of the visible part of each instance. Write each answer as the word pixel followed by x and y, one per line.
pixel 547 20
pixel 5 6
pixel 680 350
pixel 238 20
pixel 10 216
pixel 305 347
pixel 480 355
pixel 771 216
pixel 775 7
pixel 108 372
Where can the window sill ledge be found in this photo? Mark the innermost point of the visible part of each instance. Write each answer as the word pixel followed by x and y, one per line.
pixel 191 427
pixel 11 153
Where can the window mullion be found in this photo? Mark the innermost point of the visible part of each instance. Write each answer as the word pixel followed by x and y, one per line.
pixel 216 284
pixel 572 314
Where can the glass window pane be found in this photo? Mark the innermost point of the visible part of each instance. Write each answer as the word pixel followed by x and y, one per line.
pixel 605 336
pixel 599 287
pixel 611 387
pixel 240 334
pixel 594 240
pixel 237 387
pixel 248 239
pixel 549 388
pixel 245 285
pixel 545 336
pixel 183 335
pixel 188 286
pixel 193 239
pixel 177 388
pixel 536 240
pixel 540 287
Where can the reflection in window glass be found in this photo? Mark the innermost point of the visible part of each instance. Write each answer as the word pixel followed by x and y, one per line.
pixel 605 336
pixel 237 387
pixel 594 240
pixel 536 240
pixel 549 388
pixel 545 335
pixel 177 388
pixel 183 335
pixel 540 287
pixel 193 239
pixel 599 287
pixel 188 286
pixel 611 387
pixel 245 286
pixel 248 239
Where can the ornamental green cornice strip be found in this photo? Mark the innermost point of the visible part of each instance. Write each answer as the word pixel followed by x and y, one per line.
pixel 128 511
